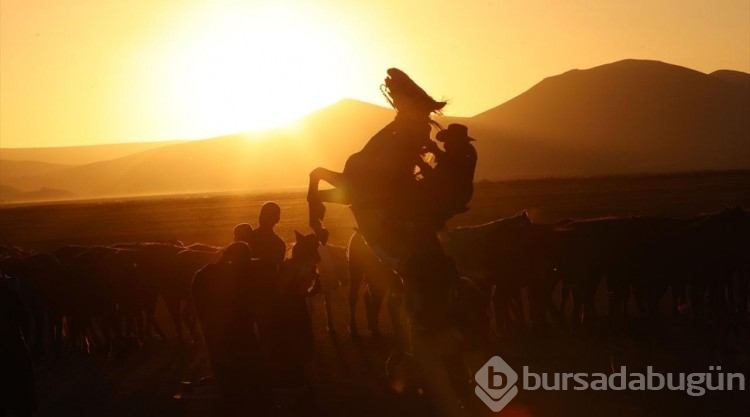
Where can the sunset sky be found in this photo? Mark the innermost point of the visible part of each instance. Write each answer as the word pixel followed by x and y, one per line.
pixel 78 72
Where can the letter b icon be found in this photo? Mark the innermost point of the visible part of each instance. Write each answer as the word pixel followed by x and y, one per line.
pixel 496 383
pixel 497 379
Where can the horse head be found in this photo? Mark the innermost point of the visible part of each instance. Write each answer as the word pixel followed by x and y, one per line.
pixel 299 274
pixel 407 97
pixel 305 248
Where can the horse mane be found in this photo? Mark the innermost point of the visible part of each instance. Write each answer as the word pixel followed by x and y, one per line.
pixel 399 87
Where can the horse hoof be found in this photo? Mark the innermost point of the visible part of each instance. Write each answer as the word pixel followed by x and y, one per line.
pixel 391 364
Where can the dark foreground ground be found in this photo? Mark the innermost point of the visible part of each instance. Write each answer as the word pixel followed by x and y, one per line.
pixel 348 375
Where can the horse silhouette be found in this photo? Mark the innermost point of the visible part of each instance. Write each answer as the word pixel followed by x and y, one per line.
pixel 333 271
pixel 223 293
pixel 699 262
pixel 41 285
pixel 153 266
pixel 381 283
pixel 176 293
pixel 503 257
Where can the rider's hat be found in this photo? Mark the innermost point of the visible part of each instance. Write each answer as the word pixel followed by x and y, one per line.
pixel 454 131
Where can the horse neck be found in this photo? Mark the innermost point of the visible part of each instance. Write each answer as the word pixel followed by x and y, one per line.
pixel 291 265
pixel 413 124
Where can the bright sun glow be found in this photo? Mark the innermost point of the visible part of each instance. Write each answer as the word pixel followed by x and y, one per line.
pixel 249 68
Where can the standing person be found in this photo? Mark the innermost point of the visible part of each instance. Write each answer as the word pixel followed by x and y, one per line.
pixel 243 232
pixel 266 244
pixel 225 302
pixel 269 248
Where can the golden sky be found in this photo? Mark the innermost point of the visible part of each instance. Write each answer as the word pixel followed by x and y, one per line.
pixel 77 72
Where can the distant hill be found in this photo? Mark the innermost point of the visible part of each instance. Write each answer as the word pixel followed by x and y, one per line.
pixel 10 194
pixel 13 169
pixel 78 155
pixel 267 159
pixel 626 117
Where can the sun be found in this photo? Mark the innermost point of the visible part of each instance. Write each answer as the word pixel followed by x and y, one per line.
pixel 249 68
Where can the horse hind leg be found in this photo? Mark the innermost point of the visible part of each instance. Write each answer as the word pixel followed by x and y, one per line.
pixel 327 300
pixel 373 301
pixel 394 303
pixel 172 302
pixel 355 280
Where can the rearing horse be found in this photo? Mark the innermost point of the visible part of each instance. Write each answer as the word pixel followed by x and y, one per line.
pixel 385 170
pixel 383 184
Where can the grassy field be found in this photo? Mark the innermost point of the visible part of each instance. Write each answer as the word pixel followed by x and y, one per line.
pixel 349 375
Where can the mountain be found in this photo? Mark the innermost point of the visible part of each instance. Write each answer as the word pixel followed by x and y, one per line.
pixel 626 117
pixel 630 116
pixel 738 78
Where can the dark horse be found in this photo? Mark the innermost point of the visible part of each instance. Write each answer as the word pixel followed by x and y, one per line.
pixel 388 188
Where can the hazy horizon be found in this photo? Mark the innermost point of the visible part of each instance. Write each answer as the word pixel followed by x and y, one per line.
pixel 594 123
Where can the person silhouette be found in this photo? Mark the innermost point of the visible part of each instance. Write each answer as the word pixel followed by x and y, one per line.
pixel 225 296
pixel 266 244
pixel 243 232
pixel 453 176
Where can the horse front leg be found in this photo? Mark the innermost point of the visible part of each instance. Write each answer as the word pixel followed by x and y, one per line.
pixel 315 205
pixel 373 301
pixel 316 198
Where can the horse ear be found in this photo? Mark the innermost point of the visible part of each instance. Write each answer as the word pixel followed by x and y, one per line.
pixel 298 236
pixel 525 213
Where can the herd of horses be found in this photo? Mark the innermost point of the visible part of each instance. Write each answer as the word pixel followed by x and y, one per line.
pixel 104 298
pixel 535 275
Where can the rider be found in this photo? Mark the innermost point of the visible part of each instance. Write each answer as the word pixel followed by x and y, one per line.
pixel 451 183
